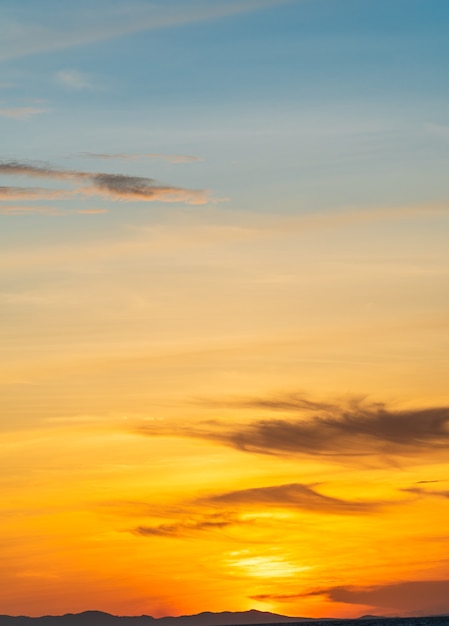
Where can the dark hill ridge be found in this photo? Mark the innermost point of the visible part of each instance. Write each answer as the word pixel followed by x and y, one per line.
pixel 227 618
pixel 98 618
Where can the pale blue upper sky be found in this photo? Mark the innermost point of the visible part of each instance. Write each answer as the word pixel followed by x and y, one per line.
pixel 320 103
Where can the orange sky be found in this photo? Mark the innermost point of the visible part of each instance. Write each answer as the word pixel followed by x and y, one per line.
pixel 265 443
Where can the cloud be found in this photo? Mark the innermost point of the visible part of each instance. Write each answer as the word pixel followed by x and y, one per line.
pixel 15 209
pixel 421 597
pixel 21 113
pixel 91 211
pixel 29 193
pixel 424 492
pixel 292 496
pixel 184 528
pixel 77 28
pixel 20 209
pixel 412 597
pixel 425 482
pixel 171 158
pixel 76 80
pixel 338 431
pixel 113 186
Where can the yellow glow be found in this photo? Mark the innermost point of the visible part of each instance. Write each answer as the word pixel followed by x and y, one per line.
pixel 271 567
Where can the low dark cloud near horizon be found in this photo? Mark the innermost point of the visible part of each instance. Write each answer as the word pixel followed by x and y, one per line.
pixel 420 597
pixel 337 431
pixel 114 186
pixel 293 496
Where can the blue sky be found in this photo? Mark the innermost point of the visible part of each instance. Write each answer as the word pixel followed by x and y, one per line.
pixel 291 93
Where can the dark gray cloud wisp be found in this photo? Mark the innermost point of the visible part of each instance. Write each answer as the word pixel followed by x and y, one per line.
pixel 121 187
pixel 332 430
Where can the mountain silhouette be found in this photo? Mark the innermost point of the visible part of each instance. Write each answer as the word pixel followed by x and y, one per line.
pixel 98 618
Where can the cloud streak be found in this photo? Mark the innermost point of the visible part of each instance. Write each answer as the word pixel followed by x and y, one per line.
pixel 292 496
pixel 29 193
pixel 75 80
pixel 21 38
pixel 424 492
pixel 171 158
pixel 332 430
pixel 20 209
pixel 20 113
pixel 112 186
pixel 184 528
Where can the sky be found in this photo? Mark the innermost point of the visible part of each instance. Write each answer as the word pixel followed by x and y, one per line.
pixel 224 306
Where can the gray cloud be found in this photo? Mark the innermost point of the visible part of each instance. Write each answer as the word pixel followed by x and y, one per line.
pixel 285 597
pixel 334 430
pixel 114 186
pixel 425 482
pixel 424 492
pixel 422 597
pixel 296 496
pixel 184 528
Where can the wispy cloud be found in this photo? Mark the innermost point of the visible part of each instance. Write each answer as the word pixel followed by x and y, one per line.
pixel 292 496
pixel 29 193
pixel 22 38
pixel 338 431
pixel 16 209
pixel 20 209
pixel 425 492
pixel 76 80
pixel 171 158
pixel 112 186
pixel 21 113
pixel 212 522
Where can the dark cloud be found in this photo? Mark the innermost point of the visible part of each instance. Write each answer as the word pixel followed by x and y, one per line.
pixel 184 528
pixel 414 597
pixel 41 170
pixel 295 495
pixel 424 492
pixel 425 482
pixel 114 186
pixel 339 430
pixel 285 597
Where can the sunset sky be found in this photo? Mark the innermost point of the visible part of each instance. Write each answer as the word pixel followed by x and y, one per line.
pixel 224 306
